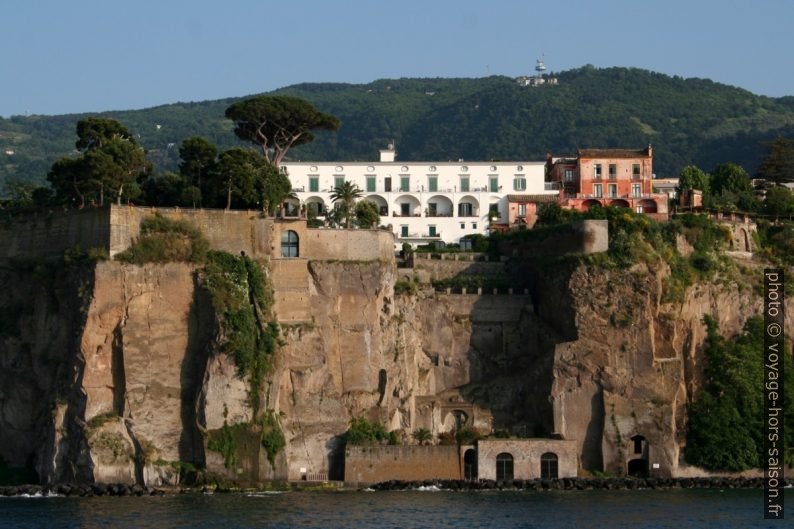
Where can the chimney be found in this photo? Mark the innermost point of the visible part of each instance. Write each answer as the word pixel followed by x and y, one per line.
pixel 387 154
pixel 650 151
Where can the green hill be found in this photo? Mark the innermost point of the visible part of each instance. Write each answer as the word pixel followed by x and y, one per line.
pixel 687 120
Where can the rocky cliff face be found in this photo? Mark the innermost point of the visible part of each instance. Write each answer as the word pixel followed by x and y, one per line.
pixel 635 362
pixel 110 374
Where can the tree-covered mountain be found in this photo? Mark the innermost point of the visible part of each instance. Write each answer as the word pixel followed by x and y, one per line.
pixel 688 121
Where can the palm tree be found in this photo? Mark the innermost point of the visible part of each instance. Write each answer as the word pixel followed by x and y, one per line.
pixel 347 193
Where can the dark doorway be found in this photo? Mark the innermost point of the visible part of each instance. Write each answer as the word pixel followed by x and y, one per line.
pixel 470 465
pixel 638 468
pixel 549 466
pixel 504 467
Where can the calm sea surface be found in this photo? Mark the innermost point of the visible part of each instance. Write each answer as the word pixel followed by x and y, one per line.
pixel 408 509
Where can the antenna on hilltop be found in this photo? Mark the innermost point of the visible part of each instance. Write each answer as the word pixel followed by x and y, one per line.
pixel 540 65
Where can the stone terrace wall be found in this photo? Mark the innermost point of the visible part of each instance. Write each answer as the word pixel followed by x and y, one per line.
pixel 372 464
pixel 49 234
pixel 349 245
pixel 448 267
pixel 232 231
pixel 116 227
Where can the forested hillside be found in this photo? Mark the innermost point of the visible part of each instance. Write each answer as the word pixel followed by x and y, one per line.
pixel 689 121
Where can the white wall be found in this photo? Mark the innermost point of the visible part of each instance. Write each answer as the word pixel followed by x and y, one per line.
pixel 449 177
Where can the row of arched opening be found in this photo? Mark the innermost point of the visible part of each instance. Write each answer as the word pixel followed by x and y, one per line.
pixel 646 205
pixel 403 206
pixel 505 467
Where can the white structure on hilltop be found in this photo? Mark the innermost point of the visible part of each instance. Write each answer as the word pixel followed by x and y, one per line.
pixel 424 201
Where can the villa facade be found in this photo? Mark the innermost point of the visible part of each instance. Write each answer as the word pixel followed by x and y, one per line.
pixel 428 201
pixel 425 201
pixel 609 177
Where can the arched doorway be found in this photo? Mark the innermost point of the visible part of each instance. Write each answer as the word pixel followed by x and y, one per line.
pixel 290 244
pixel 315 207
pixel 744 240
pixel 587 205
pixel 504 467
pixel 468 206
pixel 470 464
pixel 549 466
pixel 619 203
pixel 380 202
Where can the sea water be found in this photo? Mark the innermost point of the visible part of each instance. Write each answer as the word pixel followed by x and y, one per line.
pixel 678 509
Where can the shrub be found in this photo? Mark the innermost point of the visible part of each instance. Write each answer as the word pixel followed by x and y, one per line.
pixel 466 436
pixel 408 288
pixel 272 437
pixel 422 435
pixel 164 240
pixel 364 432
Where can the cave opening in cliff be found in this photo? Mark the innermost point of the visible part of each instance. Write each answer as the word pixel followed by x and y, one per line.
pixel 638 468
pixel 504 467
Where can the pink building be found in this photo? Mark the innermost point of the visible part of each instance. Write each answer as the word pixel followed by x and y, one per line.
pixel 608 177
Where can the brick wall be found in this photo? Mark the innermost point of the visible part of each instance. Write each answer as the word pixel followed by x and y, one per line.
pixel 372 464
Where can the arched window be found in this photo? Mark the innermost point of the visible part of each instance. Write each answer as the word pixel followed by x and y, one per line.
pixel 548 466
pixel 504 467
pixel 289 244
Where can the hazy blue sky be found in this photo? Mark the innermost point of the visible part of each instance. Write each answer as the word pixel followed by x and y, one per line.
pixel 76 56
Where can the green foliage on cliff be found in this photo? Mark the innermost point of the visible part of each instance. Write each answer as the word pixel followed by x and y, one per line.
pixel 242 302
pixel 272 438
pixel 163 240
pixel 689 121
pixel 726 420
pixel 776 241
pixel 223 441
pixel 364 432
pixel 230 439
pixel 636 238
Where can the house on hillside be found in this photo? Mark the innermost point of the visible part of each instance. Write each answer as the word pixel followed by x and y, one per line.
pixel 608 177
pixel 425 201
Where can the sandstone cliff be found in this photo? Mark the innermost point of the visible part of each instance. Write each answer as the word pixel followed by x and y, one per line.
pixel 112 373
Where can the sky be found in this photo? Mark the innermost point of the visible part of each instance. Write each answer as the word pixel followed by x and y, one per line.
pixel 92 55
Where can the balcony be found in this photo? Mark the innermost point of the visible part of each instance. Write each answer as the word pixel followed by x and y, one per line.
pixel 395 214
pixel 551 186
pixel 438 214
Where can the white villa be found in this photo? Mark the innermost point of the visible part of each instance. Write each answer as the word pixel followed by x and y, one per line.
pixel 424 201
